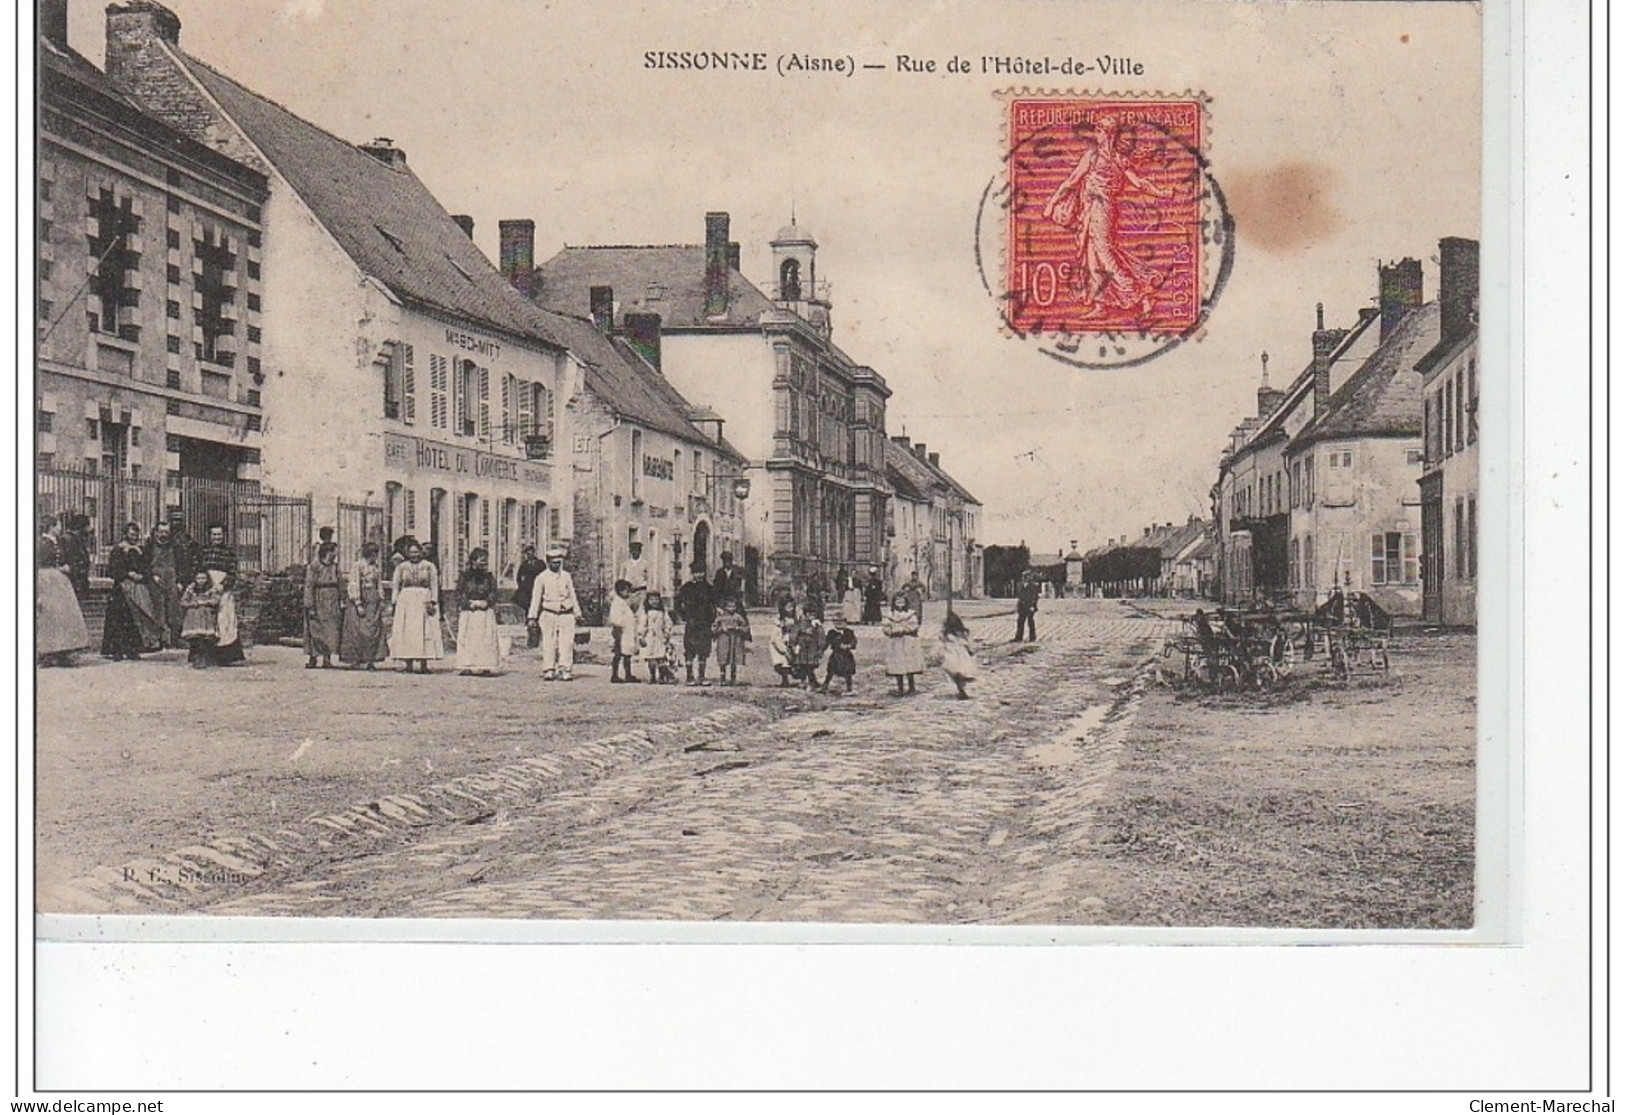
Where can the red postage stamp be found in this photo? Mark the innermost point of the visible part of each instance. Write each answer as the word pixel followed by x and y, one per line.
pixel 1105 216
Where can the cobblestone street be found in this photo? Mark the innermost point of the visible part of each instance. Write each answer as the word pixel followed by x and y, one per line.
pixel 509 797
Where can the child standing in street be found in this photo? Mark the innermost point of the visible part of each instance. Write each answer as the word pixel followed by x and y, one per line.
pixel 732 632
pixel 623 633
pixel 807 643
pixel 904 659
pixel 654 639
pixel 778 648
pixel 958 655
pixel 200 610
pixel 842 642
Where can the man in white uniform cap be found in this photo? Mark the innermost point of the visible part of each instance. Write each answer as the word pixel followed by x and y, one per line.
pixel 554 605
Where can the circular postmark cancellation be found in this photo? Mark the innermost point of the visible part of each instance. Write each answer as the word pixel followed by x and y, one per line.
pixel 1110 241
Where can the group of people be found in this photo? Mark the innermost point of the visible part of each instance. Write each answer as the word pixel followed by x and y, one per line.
pixel 168 591
pixel 801 641
pixel 712 612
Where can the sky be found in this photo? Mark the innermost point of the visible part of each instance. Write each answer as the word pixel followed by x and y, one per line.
pixel 1342 134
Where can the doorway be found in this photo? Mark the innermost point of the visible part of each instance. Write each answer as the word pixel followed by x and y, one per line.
pixel 702 546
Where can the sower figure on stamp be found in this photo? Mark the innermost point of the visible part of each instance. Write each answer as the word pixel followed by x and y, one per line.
pixel 554 606
pixel 1087 203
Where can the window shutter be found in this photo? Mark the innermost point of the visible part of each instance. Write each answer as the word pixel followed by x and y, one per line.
pixel 553 527
pixel 525 410
pixel 485 404
pixel 507 409
pixel 544 407
pixel 437 391
pixel 411 511
pixel 1377 566
pixel 409 401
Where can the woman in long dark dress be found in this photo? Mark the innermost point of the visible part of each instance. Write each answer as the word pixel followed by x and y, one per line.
pixel 59 624
pixel 361 637
pixel 220 561
pixel 479 650
pixel 324 606
pixel 132 627
pixel 171 573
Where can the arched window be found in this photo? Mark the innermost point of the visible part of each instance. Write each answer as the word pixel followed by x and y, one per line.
pixel 790 281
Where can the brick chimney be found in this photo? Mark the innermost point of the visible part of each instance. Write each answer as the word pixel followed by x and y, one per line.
pixel 716 264
pixel 1399 291
pixel 601 305
pixel 643 332
pixel 466 223
pixel 935 459
pixel 139 21
pixel 53 22
pixel 384 150
pixel 1458 287
pixel 517 253
pixel 733 254
pixel 919 450
pixel 1324 343
pixel 900 439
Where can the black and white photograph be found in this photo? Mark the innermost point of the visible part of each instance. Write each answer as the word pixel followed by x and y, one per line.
pixel 973 474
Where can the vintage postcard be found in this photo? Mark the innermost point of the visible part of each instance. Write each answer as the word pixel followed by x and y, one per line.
pixel 839 468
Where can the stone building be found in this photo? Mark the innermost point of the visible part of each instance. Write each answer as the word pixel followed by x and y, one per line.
pixel 1352 470
pixel 1449 484
pixel 810 421
pixel 646 467
pixel 933 524
pixel 149 254
pixel 406 386
pixel 1315 489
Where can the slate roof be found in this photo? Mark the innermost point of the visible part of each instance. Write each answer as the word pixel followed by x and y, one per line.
pixel 624 381
pixel 1271 428
pixel 676 271
pixel 383 217
pixel 958 488
pixel 1383 398
pixel 70 63
pixel 910 477
pixel 67 74
pixel 1446 350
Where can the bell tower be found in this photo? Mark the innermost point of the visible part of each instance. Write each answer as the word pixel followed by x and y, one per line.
pixel 795 276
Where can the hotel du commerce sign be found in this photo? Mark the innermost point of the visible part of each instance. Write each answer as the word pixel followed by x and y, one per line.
pixel 421 455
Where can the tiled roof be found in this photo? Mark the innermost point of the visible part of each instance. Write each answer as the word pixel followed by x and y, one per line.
pixel 1384 397
pixel 668 280
pixel 626 383
pixel 384 218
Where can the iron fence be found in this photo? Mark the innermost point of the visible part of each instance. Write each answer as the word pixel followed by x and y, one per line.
pixel 270 531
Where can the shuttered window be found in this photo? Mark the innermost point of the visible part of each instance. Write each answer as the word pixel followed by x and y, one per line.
pixel 483 376
pixel 439 375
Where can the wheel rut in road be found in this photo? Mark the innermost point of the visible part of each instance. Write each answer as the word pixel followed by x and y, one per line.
pixel 876 809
